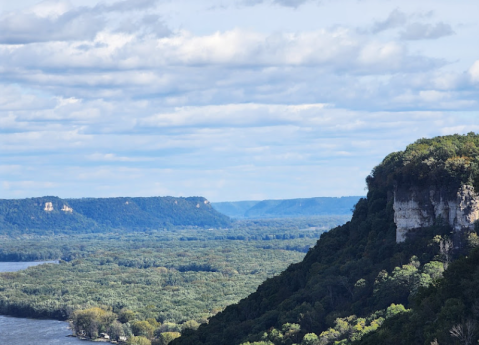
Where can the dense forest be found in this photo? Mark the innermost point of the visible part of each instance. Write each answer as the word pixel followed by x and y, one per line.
pixel 149 286
pixel 358 286
pixel 55 215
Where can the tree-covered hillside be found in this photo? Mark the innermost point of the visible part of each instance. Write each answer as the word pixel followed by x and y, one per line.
pixel 444 161
pixel 52 214
pixel 357 285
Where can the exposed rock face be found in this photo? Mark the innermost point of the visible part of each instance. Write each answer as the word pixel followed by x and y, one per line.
pixel 67 209
pixel 48 207
pixel 416 208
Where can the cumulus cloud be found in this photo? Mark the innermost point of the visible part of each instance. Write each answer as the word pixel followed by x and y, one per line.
pixel 338 49
pixel 325 66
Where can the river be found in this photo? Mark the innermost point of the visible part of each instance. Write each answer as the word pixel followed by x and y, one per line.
pixel 17 266
pixel 20 331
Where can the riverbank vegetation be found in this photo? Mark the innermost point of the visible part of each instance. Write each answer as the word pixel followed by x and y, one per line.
pixel 150 286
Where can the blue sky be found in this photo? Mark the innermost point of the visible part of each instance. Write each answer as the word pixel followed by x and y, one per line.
pixel 230 100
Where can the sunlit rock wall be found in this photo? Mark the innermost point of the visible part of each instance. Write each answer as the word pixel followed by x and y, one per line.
pixel 416 208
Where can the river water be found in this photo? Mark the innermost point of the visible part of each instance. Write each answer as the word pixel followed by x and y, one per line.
pixel 17 266
pixel 20 331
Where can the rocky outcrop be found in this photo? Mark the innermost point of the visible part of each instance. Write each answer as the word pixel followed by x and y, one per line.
pixel 421 207
pixel 48 207
pixel 67 209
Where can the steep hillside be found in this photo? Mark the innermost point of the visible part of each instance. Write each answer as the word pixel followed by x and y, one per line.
pixel 88 215
pixel 306 207
pixel 357 283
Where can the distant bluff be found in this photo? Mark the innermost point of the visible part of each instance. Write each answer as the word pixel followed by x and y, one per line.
pixel 304 207
pixel 50 213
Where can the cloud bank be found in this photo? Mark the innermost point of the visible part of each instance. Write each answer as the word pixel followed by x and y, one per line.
pixel 131 98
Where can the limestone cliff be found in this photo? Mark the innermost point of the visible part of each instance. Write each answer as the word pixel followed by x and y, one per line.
pixel 420 207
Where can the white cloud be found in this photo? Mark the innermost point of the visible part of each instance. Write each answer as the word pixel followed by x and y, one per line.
pixel 111 157
pixel 142 97
pixel 42 26
pixel 337 49
pixel 51 8
pixel 474 72
pixel 234 115
pixel 59 21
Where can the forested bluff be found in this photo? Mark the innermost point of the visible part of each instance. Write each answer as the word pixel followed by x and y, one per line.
pixel 359 284
pixel 87 215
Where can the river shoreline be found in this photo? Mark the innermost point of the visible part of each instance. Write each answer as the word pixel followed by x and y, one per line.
pixel 28 331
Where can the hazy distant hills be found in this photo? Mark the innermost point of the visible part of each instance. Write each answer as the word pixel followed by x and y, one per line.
pixel 97 214
pixel 288 208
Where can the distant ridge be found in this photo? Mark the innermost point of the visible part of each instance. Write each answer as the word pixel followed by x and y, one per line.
pixel 318 206
pixel 50 213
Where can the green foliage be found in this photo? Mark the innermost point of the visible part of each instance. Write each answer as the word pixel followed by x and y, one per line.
pixel 446 161
pixel 310 339
pixel 139 280
pixel 349 329
pixel 92 321
pixel 167 337
pixel 140 277
pixel 138 341
pixel 142 328
pixel 190 324
pixel 395 309
pixel 443 313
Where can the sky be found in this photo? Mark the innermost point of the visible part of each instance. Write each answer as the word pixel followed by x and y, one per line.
pixel 230 100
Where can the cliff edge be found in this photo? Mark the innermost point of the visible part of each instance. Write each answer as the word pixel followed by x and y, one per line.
pixel 416 208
